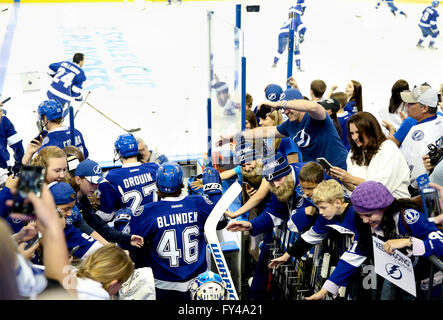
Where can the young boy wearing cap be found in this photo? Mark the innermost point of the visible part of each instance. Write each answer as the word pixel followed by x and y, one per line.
pixel 396 221
pixel 65 198
pixel 87 176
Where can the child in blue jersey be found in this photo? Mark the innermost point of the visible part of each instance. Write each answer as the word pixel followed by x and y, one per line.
pixel 342 117
pixel 65 198
pixel 67 80
pixel 173 231
pixel 131 186
pixel 399 223
pixel 86 178
pixel 428 25
pixel 335 214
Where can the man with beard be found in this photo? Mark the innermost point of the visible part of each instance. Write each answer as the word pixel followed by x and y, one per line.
pixel 286 189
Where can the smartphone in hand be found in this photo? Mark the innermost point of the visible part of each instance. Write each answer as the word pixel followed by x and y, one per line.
pixel 324 163
pixel 30 180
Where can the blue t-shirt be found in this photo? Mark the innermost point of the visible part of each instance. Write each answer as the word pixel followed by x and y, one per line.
pixel 343 119
pixel 316 138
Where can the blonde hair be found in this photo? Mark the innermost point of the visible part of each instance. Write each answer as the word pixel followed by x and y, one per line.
pixel 108 263
pixel 46 153
pixel 328 191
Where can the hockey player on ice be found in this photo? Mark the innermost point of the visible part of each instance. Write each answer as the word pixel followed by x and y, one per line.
pixel 67 81
pixel 428 25
pixel 131 186
pixel 173 230
pixel 294 22
pixel 392 6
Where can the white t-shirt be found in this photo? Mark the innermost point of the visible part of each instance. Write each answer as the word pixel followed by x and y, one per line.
pixel 388 166
pixel 88 289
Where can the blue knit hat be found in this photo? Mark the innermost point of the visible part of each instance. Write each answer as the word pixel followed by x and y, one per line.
pixel 245 152
pixel 62 192
pixel 371 195
pixel 275 166
pixel 273 92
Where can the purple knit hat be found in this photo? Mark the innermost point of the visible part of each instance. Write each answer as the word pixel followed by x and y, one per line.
pixel 371 195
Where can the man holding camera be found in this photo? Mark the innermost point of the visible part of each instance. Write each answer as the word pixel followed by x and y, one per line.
pixel 421 105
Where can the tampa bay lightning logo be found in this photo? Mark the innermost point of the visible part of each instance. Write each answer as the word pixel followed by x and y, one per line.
pixel 272 96
pixel 393 271
pixel 300 202
pixel 418 135
pixel 302 139
pixel 411 216
pixel 97 170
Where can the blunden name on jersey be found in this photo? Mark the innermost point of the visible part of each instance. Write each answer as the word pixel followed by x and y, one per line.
pixel 177 218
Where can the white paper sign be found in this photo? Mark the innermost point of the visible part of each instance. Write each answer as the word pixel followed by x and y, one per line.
pixel 396 268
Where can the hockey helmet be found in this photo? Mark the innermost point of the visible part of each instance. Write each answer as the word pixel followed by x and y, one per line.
pixel 126 145
pixel 52 109
pixel 435 3
pixel 169 177
pixel 208 286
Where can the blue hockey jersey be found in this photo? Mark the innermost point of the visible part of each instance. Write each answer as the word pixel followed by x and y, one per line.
pixel 61 137
pixel 353 258
pixel 429 18
pixel 67 81
pixel 173 230
pixel 9 138
pixel 86 244
pixel 132 186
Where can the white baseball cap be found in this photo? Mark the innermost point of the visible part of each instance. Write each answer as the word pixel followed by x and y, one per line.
pixel 421 94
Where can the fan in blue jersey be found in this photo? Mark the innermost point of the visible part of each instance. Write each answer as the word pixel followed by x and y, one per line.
pixel 10 138
pixel 391 6
pixel 50 118
pixel 173 230
pixel 67 81
pixel 398 222
pixel 428 25
pixel 131 186
pixel 335 214
pixel 65 198
pixel 294 22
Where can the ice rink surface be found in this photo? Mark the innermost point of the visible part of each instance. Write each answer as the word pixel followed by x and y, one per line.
pixel 147 64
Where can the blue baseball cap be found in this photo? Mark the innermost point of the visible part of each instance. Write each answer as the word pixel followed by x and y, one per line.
pixel 273 92
pixel 90 170
pixel 62 192
pixel 291 94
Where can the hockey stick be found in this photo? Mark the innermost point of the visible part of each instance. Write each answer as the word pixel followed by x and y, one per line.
pixel 82 104
pixel 212 239
pixel 104 115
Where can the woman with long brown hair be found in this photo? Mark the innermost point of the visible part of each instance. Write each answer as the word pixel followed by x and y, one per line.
pixel 372 157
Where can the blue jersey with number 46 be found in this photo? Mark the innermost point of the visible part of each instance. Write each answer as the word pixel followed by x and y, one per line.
pixel 67 81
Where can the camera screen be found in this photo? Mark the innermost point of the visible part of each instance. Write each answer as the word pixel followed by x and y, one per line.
pixel 31 178
pixel 430 202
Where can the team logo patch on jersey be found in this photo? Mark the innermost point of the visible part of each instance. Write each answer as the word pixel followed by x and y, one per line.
pixel 418 135
pixel 208 201
pixel 300 202
pixel 411 216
